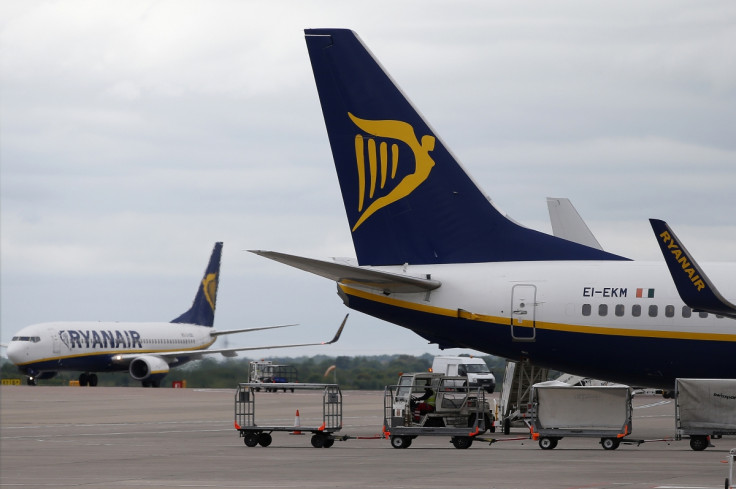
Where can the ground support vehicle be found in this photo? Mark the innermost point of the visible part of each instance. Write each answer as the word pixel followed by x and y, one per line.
pixel 473 368
pixel 704 409
pixel 266 372
pixel 260 433
pixel 561 410
pixel 453 410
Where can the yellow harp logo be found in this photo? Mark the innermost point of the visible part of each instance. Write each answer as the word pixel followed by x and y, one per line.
pixel 209 286
pixel 378 163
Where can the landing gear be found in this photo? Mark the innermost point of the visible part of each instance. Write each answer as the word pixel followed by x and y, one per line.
pixel 87 379
pixel 31 381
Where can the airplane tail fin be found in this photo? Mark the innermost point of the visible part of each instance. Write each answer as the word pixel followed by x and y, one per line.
pixel 406 197
pixel 202 311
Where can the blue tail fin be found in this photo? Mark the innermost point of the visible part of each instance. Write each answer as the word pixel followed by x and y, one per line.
pixel 407 199
pixel 202 311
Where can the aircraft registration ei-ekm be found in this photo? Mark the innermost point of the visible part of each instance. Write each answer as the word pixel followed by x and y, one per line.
pixel 146 350
pixel 434 255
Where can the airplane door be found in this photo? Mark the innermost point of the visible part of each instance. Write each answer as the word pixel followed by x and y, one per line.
pixel 523 305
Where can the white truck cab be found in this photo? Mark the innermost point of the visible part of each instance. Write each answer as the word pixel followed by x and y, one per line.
pixel 474 369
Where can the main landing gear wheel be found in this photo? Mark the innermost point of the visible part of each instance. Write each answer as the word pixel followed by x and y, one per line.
pixel 462 442
pixel 250 439
pixel 547 443
pixel 401 441
pixel 610 443
pixel 87 379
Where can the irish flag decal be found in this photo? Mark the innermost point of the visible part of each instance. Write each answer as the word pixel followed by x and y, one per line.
pixel 645 293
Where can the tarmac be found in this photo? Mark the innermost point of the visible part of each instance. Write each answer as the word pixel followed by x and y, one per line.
pixel 71 437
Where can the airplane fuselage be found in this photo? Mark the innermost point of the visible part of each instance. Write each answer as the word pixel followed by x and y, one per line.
pixel 92 346
pixel 621 321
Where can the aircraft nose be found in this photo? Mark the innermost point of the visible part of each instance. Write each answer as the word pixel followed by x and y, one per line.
pixel 16 352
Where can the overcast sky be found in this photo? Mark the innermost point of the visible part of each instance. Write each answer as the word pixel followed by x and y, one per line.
pixel 133 135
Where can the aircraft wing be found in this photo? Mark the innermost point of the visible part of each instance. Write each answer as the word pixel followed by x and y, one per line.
pixel 227 352
pixel 386 282
pixel 693 285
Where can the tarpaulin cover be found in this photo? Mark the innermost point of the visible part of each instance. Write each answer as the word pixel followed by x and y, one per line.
pixel 583 408
pixel 706 404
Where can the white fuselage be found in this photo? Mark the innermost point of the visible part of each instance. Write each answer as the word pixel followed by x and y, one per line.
pixel 85 346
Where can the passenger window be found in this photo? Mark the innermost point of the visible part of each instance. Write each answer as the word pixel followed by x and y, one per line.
pixel 586 309
pixel 636 310
pixel 603 309
pixel 669 311
pixel 653 311
pixel 686 312
pixel 620 309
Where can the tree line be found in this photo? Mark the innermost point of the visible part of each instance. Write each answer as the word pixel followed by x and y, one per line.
pixel 354 373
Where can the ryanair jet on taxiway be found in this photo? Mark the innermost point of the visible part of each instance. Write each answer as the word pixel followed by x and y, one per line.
pixel 146 350
pixel 435 256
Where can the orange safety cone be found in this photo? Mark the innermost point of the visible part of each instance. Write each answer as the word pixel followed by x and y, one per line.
pixel 297 425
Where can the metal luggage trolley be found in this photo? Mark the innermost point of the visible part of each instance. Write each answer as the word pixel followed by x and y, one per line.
pixel 459 412
pixel 260 434
pixel 704 410
pixel 561 410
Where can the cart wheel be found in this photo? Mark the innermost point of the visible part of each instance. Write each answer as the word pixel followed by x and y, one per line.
pixel 400 441
pixel 698 443
pixel 318 441
pixel 506 426
pixel 547 443
pixel 250 439
pixel 462 442
pixel 610 443
pixel 328 442
pixel 727 486
pixel 264 439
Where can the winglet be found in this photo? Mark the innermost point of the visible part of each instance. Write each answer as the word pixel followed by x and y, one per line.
pixel 693 285
pixel 339 332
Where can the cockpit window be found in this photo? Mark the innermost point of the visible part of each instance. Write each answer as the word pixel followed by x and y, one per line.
pixel 32 339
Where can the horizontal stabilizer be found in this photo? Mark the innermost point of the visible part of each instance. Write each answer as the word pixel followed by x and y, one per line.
pixel 384 281
pixel 694 287
pixel 567 223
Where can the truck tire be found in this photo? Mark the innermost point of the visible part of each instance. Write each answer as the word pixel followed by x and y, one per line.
pixel 506 426
pixel 250 439
pixel 462 442
pixel 318 441
pixel 264 439
pixel 400 441
pixel 699 442
pixel 547 443
pixel 610 443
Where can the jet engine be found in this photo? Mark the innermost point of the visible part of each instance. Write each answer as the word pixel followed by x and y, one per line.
pixel 149 370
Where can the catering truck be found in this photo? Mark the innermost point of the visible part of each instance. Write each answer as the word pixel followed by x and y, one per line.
pixel 472 368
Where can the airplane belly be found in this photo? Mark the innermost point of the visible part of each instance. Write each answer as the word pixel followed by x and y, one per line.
pixel 613 356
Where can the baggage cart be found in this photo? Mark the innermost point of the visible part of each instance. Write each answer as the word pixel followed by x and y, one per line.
pixel 704 409
pixel 456 410
pixel 254 433
pixel 561 410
